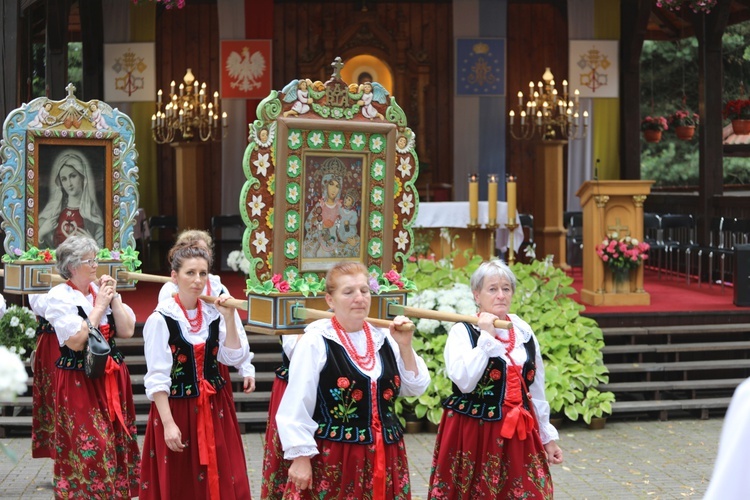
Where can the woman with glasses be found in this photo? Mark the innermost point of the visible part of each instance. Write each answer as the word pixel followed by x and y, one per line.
pixel 95 436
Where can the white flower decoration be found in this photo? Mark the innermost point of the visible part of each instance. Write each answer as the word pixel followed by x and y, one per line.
pixel 404 167
pixel 358 141
pixel 375 248
pixel 293 167
pixel 262 164
pixel 316 139
pixel 377 143
pixel 377 170
pixel 291 248
pixel 256 205
pixel 291 221
pixel 377 221
pixel 402 240
pixel 377 195
pixel 406 204
pixel 293 193
pixel 294 139
pixel 260 242
pixel 337 141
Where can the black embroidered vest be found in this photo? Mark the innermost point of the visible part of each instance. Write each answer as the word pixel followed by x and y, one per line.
pixel 282 372
pixel 343 409
pixel 73 360
pixel 486 400
pixel 184 372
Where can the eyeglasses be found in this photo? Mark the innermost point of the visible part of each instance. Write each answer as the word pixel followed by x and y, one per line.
pixel 91 262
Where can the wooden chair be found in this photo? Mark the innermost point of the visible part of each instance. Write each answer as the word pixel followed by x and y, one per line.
pixel 227 232
pixel 162 232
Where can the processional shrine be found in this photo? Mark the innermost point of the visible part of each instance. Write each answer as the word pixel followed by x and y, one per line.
pixel 611 207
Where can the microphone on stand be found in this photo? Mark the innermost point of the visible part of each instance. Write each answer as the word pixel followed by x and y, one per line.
pixel 596 170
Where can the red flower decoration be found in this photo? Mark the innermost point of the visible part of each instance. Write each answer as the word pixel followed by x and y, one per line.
pixel 342 383
pixel 174 348
pixel 495 374
pixel 397 380
pixel 530 375
pixel 282 286
pixel 47 256
pixel 387 394
pixel 215 350
pixel 275 279
pixel 357 395
pixel 182 358
pixel 392 276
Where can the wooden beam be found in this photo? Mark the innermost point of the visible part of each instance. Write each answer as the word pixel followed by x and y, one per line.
pixel 634 19
pixel 709 29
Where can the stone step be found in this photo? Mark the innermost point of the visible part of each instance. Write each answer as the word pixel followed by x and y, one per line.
pixel 674 385
pixel 676 347
pixel 664 406
pixel 720 364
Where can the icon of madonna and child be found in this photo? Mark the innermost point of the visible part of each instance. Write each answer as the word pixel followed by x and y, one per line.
pixel 333 208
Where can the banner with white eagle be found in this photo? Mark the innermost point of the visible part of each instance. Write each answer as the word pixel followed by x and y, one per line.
pixel 245 69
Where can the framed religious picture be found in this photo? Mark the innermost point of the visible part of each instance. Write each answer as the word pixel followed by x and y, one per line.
pixel 68 168
pixel 330 171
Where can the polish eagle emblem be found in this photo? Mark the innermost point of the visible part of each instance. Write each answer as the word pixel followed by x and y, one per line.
pixel 245 70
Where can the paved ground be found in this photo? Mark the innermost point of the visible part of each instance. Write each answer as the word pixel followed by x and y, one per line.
pixel 626 460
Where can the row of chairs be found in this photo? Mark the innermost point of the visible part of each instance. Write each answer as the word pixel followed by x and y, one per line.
pixel 160 231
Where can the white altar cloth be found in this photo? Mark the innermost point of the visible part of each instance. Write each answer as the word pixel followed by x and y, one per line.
pixel 455 214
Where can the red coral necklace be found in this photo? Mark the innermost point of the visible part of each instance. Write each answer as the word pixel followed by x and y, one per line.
pixel 366 361
pixel 195 323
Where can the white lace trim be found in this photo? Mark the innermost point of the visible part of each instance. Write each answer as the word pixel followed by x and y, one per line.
pixel 301 451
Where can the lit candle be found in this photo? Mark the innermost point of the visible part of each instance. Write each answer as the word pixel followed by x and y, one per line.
pixel 577 94
pixel 182 89
pixel 153 122
pixel 171 88
pixel 195 87
pixel 585 118
pixel 492 199
pixel 473 198
pixel 510 188
pixel 520 98
pixel 181 116
pixel 539 118
pixel 523 117
pixel 224 119
pixel 512 115
pixel 216 99
pixel 158 96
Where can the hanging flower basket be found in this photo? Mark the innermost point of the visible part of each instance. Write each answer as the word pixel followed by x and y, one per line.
pixel 652 135
pixel 741 127
pixel 685 132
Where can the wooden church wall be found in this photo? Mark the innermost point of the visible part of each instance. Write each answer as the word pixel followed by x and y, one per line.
pixel 414 39
pixel 537 38
pixel 189 38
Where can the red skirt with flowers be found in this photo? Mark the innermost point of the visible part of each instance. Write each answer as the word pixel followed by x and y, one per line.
pixel 179 475
pixel 345 471
pixel 472 460
pixel 95 456
pixel 43 409
pixel 275 468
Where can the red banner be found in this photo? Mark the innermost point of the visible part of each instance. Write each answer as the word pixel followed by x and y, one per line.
pixel 245 69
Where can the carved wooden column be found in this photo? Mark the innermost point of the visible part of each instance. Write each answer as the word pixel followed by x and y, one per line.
pixel 549 232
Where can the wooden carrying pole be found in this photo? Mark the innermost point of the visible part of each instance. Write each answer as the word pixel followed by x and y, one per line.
pixel 303 313
pixel 396 309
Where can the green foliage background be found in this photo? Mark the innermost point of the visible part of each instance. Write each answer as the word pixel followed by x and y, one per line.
pixel 669 82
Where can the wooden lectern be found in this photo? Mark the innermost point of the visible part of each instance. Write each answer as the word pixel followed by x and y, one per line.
pixel 608 207
pixel 549 231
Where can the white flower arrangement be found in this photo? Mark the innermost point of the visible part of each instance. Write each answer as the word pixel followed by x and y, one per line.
pixel 457 299
pixel 13 375
pixel 18 330
pixel 237 261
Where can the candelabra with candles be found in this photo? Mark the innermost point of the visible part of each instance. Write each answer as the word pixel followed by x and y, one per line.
pixel 188 114
pixel 546 113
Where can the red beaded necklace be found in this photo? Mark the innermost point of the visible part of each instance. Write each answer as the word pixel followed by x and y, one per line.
pixel 195 323
pixel 367 361
pixel 511 342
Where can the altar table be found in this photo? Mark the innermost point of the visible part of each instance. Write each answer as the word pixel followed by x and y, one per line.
pixel 454 215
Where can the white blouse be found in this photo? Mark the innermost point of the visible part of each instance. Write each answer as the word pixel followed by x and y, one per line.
pixel 246 369
pixel 465 365
pixel 157 350
pixel 62 310
pixel 2 306
pixel 38 304
pixel 294 417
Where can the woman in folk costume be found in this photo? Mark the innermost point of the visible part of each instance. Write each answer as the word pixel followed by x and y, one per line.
pixel 192 448
pixel 96 451
pixel 336 421
pixel 275 466
pixel 495 439
pixel 44 362
pixel 214 288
